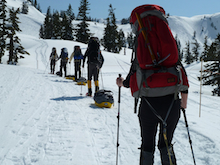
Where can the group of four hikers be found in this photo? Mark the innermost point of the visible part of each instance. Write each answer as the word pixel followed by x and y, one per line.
pixel 95 61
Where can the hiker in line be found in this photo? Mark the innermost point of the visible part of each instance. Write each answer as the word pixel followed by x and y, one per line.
pixel 53 59
pixel 78 56
pixel 64 60
pixel 95 62
pixel 162 110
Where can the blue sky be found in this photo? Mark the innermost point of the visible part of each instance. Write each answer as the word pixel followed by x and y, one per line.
pixel 123 8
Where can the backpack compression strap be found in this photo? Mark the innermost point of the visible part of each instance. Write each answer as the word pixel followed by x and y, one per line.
pixel 146 39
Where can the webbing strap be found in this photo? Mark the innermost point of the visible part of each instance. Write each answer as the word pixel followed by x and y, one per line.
pixel 145 38
pixel 155 112
pixel 164 124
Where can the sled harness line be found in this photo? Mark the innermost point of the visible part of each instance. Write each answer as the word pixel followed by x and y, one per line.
pixel 164 124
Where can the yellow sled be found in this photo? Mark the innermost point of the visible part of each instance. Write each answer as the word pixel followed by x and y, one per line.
pixel 104 104
pixel 70 78
pixel 81 83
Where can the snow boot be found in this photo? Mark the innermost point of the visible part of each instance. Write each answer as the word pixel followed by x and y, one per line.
pixel 96 89
pixel 89 92
pixel 146 158
pixel 165 156
pixel 96 86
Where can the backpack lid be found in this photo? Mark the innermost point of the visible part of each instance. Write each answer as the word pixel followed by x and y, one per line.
pixel 93 43
pixel 64 50
pixel 142 8
pixel 146 10
pixel 76 47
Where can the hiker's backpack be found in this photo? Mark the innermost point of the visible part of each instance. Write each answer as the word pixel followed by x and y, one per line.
pixel 64 55
pixel 104 98
pixel 94 52
pixel 77 53
pixel 157 70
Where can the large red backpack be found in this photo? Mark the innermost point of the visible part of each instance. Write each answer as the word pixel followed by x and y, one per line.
pixel 156 70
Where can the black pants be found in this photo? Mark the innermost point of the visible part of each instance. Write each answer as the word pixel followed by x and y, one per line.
pixel 77 69
pixel 149 121
pixel 63 66
pixel 52 65
pixel 93 71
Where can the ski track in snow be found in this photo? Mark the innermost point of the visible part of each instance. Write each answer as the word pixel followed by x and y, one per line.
pixel 56 127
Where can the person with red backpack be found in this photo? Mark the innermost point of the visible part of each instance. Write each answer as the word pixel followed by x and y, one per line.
pixel 95 62
pixel 157 77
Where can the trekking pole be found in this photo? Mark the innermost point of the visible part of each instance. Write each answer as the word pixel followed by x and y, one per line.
pixel 101 78
pixel 119 101
pixel 200 90
pixel 81 85
pixel 190 141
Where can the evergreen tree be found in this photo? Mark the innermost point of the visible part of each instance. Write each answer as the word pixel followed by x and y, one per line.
pixel 14 46
pixel 24 8
pixel 3 28
pixel 110 39
pixel 38 7
pixel 69 13
pixel 179 47
pixel 82 30
pixel 124 21
pixel 205 49
pixel 130 40
pixel 67 28
pixel 188 54
pixel 195 49
pixel 35 3
pixel 41 32
pixel 48 25
pixel 121 40
pixel 211 76
pixel 56 26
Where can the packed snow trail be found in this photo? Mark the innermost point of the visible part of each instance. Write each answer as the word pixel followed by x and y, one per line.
pixel 50 123
pixel 45 121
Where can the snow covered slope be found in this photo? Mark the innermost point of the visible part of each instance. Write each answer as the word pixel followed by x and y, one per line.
pixel 45 121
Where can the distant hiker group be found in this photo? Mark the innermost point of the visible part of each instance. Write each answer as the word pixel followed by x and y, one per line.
pixel 94 58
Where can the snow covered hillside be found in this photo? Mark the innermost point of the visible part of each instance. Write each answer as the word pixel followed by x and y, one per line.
pixel 45 121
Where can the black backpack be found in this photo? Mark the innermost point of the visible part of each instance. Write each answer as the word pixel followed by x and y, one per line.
pixel 94 53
